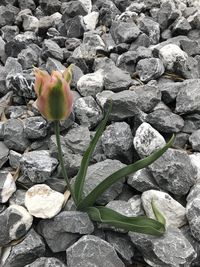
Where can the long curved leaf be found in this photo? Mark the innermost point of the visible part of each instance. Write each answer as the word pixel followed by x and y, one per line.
pixel 90 199
pixel 140 224
pixel 80 178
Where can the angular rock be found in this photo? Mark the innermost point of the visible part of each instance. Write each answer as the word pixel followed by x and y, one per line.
pixel 44 261
pixel 188 69
pixel 29 57
pixel 177 164
pixel 181 26
pixel 171 53
pixel 18 198
pixel 91 84
pixel 124 32
pixel 30 23
pixel 191 47
pixel 35 127
pixel 31 247
pixel 23 4
pixel 75 27
pixel 102 97
pixel 4 151
pixel 142 180
pixel 7 14
pixel 195 157
pixel 147 140
pixel 72 9
pixel 91 20
pixel 9 32
pixel 97 173
pixel 192 212
pixel 14 135
pixel 15 223
pixel 151 28
pixel 64 229
pixel 194 140
pixel 170 250
pixel 50 7
pixel 38 165
pixel 14 159
pixel 117 142
pixel 79 254
pixel 87 112
pixel 43 202
pixel 127 61
pixel 7 186
pixel 52 49
pixel 165 121
pixel 188 100
pixel 150 69
pixel 169 90
pixel 173 212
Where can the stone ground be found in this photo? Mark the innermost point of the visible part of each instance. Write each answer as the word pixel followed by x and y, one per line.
pixel 145 56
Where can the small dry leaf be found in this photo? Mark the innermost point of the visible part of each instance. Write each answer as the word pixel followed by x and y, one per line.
pixel 66 196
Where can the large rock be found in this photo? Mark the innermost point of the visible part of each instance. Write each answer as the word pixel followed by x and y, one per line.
pixel 84 253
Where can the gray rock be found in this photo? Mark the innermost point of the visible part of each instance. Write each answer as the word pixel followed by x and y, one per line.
pixel 181 140
pixel 165 121
pixel 50 7
pixel 151 28
pixel 12 66
pixel 35 127
pixel 9 32
pixel 124 105
pixel 91 84
pixel 3 74
pixel 91 20
pixel 30 23
pixel 7 186
pixel 194 140
pixel 169 250
pixel 177 164
pixel 181 26
pixel 188 98
pixel 54 64
pixel 191 47
pixel 147 140
pixel 44 261
pixel 18 198
pixel 148 96
pixel 124 32
pixel 87 112
pixel 43 25
pixel 188 69
pixel 52 49
pixel 192 213
pixel 7 14
pixel 97 173
pixel 64 229
pixel 14 135
pixel 4 151
pixel 169 90
pixel 191 123
pixel 23 4
pixel 72 9
pixel 29 57
pixel 14 159
pixel 75 27
pixel 102 97
pixel 38 165
pixel 122 245
pixel 149 69
pixel 127 61
pixel 83 253
pixel 31 247
pixel 117 142
pixel 142 180
pixel 15 223
pixel 78 139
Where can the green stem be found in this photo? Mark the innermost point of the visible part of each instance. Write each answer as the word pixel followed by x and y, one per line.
pixel 60 156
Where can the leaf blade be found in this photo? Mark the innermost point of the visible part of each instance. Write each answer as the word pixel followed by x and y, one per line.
pixel 90 199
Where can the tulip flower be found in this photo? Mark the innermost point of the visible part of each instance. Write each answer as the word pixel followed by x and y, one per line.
pixel 54 95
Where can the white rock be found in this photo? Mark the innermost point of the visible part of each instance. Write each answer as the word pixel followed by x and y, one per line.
pixel 87 4
pixel 172 210
pixel 43 202
pixel 147 140
pixel 91 20
pixel 91 84
pixel 30 23
pixel 7 186
pixel 171 53
pixel 26 220
pixel 195 159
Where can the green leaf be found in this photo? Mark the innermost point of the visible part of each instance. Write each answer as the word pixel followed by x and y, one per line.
pixel 159 217
pixel 80 178
pixel 140 224
pixel 90 199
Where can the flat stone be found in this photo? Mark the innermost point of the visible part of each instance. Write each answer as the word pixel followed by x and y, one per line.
pixel 173 212
pixel 7 186
pixel 35 127
pixel 177 164
pixel 60 235
pixel 149 69
pixel 188 98
pixel 142 180
pixel 147 140
pixel 117 142
pixel 38 165
pixel 4 151
pixel 170 250
pixel 14 135
pixel 15 223
pixel 165 121
pixel 97 173
pixel 44 261
pixel 43 202
pixel 79 254
pixel 91 84
pixel 87 112
pixel 31 247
